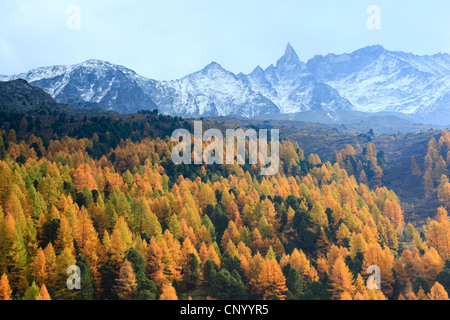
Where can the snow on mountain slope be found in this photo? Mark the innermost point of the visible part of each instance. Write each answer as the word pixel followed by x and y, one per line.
pixel 291 86
pixel 370 79
pixel 214 91
pixel 96 81
pixel 374 79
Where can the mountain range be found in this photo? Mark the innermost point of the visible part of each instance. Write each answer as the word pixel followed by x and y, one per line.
pixel 371 79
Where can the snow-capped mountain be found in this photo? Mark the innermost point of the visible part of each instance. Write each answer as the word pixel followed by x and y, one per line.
pixel 293 88
pixel 212 91
pixel 370 79
pixel 375 79
pixel 111 86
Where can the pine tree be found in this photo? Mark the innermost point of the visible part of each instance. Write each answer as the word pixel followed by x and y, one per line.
pixel 146 289
pixel 294 283
pixel 87 288
pixel 226 285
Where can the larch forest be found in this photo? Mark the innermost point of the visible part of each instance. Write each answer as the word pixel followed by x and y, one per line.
pixel 105 196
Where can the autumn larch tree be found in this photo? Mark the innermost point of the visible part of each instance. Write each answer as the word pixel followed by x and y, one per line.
pixel 271 280
pixel 126 284
pixel 168 292
pixel 5 289
pixel 341 280
pixel 438 292
pixel 44 293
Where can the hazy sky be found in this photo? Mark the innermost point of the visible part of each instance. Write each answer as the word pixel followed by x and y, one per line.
pixel 167 39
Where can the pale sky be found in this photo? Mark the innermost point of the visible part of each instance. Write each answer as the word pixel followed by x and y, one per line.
pixel 168 39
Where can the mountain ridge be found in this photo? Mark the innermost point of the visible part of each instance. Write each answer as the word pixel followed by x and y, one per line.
pixel 370 79
pixel 19 96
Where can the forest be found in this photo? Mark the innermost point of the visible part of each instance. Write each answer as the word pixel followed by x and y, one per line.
pixel 102 194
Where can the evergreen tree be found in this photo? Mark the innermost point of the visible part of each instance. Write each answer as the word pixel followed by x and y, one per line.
pixel 146 288
pixel 443 277
pixel 294 283
pixel 87 291
pixel 228 286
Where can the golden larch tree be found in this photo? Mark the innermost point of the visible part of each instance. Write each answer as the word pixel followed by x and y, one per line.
pixel 126 284
pixel 271 280
pixel 168 292
pixel 5 289
pixel 341 280
pixel 437 292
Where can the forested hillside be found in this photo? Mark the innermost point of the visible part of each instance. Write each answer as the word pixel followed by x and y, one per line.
pixel 105 196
